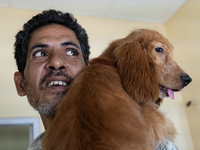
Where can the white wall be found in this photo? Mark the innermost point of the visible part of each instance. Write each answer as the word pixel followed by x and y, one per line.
pixel 184 31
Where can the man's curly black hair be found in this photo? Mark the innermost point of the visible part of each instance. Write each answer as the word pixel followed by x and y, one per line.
pixel 45 18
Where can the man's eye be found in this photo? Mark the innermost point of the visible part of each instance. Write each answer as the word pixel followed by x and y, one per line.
pixel 39 54
pixel 72 52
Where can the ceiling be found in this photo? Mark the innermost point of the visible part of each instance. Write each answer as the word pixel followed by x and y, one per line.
pixel 158 11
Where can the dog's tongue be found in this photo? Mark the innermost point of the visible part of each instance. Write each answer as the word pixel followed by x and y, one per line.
pixel 170 93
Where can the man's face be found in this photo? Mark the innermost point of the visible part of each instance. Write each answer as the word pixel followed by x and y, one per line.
pixel 53 61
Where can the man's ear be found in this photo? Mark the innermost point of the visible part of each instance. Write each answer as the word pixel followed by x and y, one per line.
pixel 19 84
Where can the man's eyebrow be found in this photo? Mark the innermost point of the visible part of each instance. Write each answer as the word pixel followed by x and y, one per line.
pixel 39 46
pixel 70 43
pixel 42 45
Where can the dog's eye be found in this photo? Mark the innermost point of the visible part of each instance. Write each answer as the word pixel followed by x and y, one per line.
pixel 159 49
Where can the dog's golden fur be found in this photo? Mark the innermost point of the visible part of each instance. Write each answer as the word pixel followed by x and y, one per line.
pixel 111 105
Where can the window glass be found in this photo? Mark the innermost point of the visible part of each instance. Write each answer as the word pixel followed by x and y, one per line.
pixel 14 137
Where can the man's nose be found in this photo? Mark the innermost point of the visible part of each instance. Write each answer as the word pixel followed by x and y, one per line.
pixel 56 62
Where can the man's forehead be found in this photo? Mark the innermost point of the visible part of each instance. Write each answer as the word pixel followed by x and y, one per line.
pixel 54 33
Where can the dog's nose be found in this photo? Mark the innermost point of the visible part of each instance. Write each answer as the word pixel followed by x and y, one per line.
pixel 185 79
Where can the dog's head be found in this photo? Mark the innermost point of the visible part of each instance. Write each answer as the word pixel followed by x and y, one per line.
pixel 146 66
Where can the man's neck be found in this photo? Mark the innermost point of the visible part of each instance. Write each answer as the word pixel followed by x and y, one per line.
pixel 46 121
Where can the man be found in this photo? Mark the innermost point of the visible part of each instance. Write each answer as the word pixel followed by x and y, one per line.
pixel 50 51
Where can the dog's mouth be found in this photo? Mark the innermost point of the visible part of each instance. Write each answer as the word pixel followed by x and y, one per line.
pixel 165 92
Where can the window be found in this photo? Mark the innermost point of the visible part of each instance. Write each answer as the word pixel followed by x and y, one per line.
pixel 18 133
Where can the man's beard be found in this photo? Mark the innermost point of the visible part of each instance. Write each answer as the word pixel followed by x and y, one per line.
pixel 46 109
pixel 44 106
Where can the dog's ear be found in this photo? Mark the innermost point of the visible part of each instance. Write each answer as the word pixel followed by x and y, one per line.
pixel 137 72
pixel 107 55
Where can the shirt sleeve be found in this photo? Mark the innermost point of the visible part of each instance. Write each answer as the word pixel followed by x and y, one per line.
pixel 37 143
pixel 168 145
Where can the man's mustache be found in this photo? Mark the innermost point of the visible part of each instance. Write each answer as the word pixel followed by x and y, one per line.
pixel 55 73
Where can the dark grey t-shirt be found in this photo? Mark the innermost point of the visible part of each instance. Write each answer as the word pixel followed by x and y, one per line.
pixel 37 142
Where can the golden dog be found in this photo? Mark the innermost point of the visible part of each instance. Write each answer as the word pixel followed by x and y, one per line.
pixel 111 105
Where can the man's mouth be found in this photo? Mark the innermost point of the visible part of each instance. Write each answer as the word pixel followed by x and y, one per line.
pixel 57 83
pixel 56 80
pixel 166 92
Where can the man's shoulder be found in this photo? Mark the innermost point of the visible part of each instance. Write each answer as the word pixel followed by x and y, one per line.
pixel 37 142
pixel 168 145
